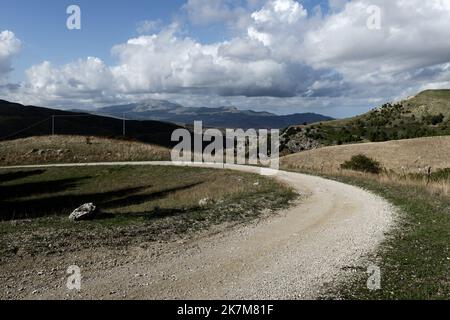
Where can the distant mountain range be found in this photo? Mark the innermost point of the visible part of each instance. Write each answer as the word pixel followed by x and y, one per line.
pixel 222 117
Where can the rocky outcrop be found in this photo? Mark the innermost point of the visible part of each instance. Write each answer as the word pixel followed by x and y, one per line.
pixel 297 142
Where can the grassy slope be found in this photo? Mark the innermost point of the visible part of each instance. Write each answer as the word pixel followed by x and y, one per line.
pixel 400 156
pixel 75 149
pixel 415 258
pixel 138 204
pixel 436 101
pixel 408 119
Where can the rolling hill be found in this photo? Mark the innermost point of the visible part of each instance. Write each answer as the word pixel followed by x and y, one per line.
pixel 19 121
pixel 222 117
pixel 402 156
pixel 425 115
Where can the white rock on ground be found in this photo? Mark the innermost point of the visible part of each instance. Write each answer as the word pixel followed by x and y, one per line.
pixel 85 212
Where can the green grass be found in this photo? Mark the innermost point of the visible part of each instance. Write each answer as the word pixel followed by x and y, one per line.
pixel 415 258
pixel 138 204
pixel 441 175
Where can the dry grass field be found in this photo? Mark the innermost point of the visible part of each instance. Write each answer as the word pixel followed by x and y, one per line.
pixel 403 161
pixel 401 156
pixel 76 149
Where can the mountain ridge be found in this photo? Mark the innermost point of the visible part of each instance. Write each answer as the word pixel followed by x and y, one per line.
pixel 20 121
pixel 220 117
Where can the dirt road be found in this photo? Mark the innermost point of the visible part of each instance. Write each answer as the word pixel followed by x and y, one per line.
pixel 292 255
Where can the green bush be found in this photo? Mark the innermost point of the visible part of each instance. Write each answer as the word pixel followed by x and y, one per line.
pixel 434 119
pixel 362 163
pixel 441 174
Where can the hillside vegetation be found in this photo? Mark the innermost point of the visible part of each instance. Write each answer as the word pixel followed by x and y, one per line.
pixel 425 115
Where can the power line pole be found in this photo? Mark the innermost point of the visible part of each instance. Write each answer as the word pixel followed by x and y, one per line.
pixel 53 125
pixel 124 126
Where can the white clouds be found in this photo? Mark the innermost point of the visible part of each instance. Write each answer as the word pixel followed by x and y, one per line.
pixel 276 22
pixel 166 63
pixel 413 35
pixel 280 11
pixel 244 49
pixel 9 48
pixel 277 50
pixel 82 81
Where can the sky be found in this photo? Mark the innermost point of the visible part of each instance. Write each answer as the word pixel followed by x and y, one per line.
pixel 335 57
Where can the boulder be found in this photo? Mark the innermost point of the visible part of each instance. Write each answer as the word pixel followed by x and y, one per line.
pixel 85 212
pixel 204 202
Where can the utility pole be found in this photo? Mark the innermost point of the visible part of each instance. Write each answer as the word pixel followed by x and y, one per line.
pixel 53 125
pixel 124 132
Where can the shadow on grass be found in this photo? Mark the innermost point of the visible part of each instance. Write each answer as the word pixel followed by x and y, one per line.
pixel 37 188
pixel 11 176
pixel 64 204
pixel 142 198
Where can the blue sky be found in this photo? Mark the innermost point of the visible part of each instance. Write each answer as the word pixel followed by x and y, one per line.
pixel 281 56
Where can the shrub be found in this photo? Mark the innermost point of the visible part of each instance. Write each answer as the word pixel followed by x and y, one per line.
pixel 441 174
pixel 434 119
pixel 362 163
